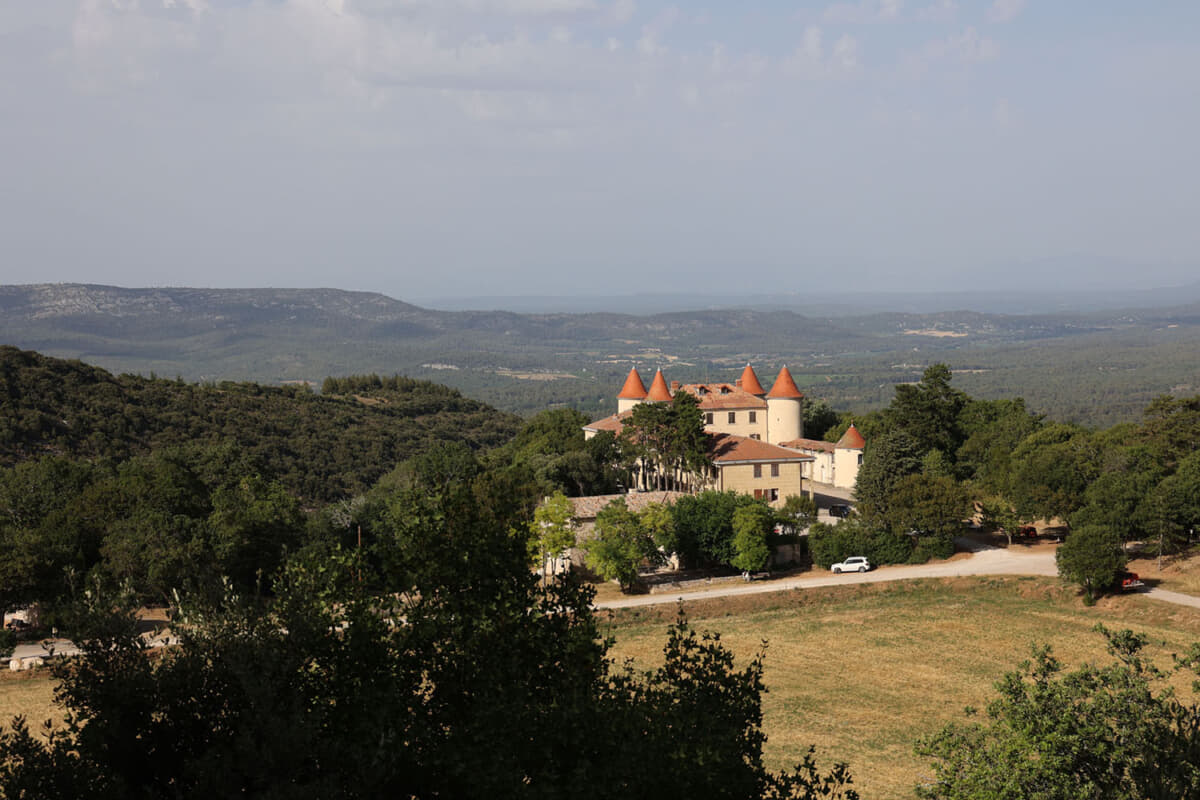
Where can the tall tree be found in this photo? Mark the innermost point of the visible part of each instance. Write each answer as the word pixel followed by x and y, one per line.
pixel 886 460
pixel 1053 468
pixel 552 530
pixel 929 410
pixel 620 544
pixel 752 524
pixel 1091 557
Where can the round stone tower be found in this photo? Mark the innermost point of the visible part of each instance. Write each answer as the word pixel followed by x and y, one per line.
pixel 785 411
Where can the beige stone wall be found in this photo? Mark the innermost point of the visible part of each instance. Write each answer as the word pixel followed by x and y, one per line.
pixel 786 420
pixel 740 478
pixel 820 470
pixel 741 426
pixel 845 467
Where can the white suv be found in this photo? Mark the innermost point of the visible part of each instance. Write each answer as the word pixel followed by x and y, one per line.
pixel 852 564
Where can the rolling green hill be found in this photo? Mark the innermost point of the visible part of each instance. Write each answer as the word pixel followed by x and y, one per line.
pixel 323 448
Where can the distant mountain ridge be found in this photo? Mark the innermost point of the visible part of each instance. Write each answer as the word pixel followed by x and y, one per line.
pixel 526 362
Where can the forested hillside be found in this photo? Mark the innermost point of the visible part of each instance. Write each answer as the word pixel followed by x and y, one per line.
pixel 321 447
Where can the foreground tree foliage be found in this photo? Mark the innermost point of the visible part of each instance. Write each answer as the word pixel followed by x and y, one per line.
pixel 445 674
pixel 1118 732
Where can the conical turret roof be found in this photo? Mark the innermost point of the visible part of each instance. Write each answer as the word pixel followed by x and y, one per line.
pixel 851 439
pixel 785 386
pixel 659 393
pixel 750 382
pixel 633 389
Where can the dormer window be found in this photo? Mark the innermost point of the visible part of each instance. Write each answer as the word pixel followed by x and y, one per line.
pixel 724 390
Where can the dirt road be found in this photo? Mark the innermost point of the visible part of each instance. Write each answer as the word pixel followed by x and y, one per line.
pixel 985 561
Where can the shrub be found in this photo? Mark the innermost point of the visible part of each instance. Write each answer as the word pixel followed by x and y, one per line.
pixel 931 547
pixel 830 544
pixel 8 640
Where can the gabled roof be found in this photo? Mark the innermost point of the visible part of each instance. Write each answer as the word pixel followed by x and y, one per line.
pixel 726 449
pixel 633 389
pixel 659 393
pixel 750 382
pixel 785 386
pixel 722 396
pixel 809 444
pixel 613 422
pixel 852 439
pixel 588 507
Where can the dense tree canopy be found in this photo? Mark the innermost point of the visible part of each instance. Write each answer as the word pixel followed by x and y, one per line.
pixel 321 447
pixel 439 674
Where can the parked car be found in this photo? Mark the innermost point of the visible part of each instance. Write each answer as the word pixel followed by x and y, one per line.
pixel 852 564
pixel 1129 581
pixel 839 510
pixel 1025 532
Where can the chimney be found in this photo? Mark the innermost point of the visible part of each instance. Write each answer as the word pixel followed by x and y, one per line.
pixel 674 386
pixel 738 383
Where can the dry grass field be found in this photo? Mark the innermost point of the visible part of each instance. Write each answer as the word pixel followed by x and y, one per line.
pixel 862 671
pixel 30 694
pixel 1177 574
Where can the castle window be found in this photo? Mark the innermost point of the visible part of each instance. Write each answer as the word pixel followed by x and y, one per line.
pixel 772 494
pixel 754 416
pixel 708 417
pixel 732 417
pixel 774 470
pixel 758 470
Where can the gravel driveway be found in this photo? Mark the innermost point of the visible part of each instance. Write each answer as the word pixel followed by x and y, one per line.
pixel 984 561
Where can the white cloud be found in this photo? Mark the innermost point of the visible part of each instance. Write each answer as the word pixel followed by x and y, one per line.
pixel 940 11
pixel 810 60
pixel 623 10
pixel 968 46
pixel 863 12
pixel 1005 10
pixel 845 53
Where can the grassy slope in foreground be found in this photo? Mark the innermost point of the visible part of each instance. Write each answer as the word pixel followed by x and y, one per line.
pixel 862 671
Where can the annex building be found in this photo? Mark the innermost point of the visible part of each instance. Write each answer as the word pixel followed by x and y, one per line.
pixel 755 436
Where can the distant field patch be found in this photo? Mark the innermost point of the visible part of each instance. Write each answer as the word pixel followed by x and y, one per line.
pixel 935 333
pixel 534 376
pixel 862 671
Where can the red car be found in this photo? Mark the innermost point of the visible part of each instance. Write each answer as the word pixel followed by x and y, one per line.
pixel 1129 581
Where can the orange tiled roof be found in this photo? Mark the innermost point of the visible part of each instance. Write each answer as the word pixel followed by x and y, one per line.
pixel 808 444
pixel 613 422
pixel 659 393
pixel 723 448
pixel 588 507
pixel 785 386
pixel 726 448
pixel 750 381
pixel 852 439
pixel 633 389
pixel 718 396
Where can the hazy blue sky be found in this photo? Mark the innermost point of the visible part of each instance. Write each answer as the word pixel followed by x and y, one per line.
pixel 442 147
